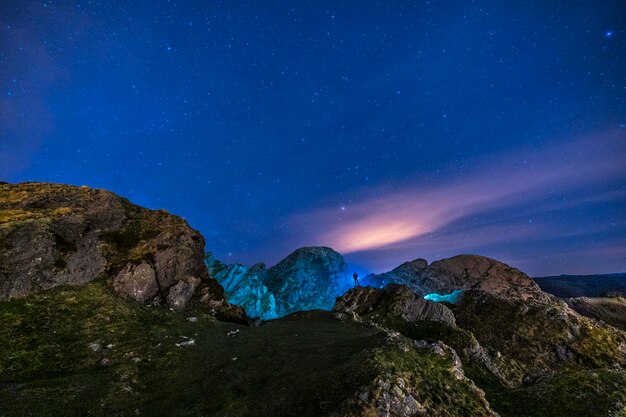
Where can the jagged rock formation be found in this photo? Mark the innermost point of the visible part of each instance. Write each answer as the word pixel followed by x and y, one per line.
pixel 52 235
pixel 402 274
pixel 462 272
pixel 245 287
pixel 309 278
pixel 394 300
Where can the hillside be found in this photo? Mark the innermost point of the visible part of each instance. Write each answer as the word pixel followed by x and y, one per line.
pixel 74 341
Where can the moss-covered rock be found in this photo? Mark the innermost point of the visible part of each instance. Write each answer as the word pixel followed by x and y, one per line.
pixel 536 338
pixel 532 356
pixel 53 234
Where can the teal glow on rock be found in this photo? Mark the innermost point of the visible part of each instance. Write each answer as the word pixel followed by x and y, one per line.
pixel 452 298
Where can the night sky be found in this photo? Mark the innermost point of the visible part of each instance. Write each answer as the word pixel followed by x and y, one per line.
pixel 386 130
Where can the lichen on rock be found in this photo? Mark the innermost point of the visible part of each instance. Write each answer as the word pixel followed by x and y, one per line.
pixel 54 234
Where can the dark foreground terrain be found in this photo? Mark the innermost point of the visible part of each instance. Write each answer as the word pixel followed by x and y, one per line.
pixel 306 364
pixel 148 331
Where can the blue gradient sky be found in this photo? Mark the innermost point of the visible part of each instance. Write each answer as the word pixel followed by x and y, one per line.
pixel 388 130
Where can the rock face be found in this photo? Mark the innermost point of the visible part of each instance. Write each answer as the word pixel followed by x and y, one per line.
pixel 309 278
pixel 312 277
pixel 52 234
pixel 394 300
pixel 402 274
pixel 245 287
pixel 462 272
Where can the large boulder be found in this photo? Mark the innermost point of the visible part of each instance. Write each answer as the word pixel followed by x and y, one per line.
pixel 53 234
pixel 394 300
pixel 137 281
pixel 309 278
pixel 180 293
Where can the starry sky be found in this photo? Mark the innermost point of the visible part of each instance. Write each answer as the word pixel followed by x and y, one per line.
pixel 387 130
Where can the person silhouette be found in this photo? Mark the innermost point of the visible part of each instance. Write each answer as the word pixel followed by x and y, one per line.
pixel 355 277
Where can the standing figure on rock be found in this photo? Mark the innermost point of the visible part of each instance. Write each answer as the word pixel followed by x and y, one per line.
pixel 355 277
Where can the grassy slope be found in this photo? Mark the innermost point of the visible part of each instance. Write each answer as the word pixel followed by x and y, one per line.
pixel 610 310
pixel 306 364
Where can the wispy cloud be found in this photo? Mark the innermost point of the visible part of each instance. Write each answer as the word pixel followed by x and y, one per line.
pixel 487 203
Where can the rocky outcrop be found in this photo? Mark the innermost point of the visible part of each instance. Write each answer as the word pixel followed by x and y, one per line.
pixel 53 234
pixel 403 274
pixel 394 393
pixel 312 277
pixel 309 278
pixel 359 300
pixel 462 272
pixel 536 337
pixel 394 300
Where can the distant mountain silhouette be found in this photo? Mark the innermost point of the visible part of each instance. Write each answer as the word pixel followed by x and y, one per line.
pixel 583 285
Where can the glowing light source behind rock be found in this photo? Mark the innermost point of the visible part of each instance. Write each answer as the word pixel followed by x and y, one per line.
pixel 451 298
pixel 360 237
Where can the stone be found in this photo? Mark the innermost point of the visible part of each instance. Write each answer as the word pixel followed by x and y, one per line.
pixel 137 282
pixel 359 300
pixel 309 278
pixel 186 341
pixel 180 294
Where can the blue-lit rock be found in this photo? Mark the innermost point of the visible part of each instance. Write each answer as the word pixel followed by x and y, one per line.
pixel 244 287
pixel 309 278
pixel 451 298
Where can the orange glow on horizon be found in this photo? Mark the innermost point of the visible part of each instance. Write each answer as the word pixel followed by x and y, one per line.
pixel 367 236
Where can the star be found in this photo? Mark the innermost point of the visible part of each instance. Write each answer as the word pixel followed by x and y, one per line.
pixel 608 34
